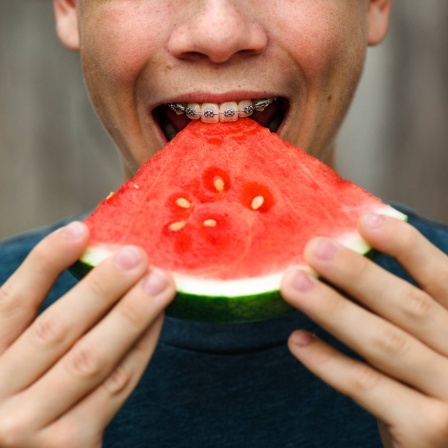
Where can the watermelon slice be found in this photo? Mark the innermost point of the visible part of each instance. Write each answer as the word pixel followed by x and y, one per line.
pixel 227 208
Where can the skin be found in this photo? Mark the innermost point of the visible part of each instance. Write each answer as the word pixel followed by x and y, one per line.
pixel 137 55
pixel 210 50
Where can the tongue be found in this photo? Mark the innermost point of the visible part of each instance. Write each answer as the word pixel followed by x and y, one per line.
pixel 264 118
pixel 178 121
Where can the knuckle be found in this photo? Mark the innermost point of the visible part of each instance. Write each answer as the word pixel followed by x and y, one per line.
pixel 5 295
pixel 364 379
pixel 132 314
pixel 117 380
pixel 434 424
pixel 324 358
pixel 391 340
pixel 358 266
pixel 84 362
pixel 12 431
pixel 9 303
pixel 97 286
pixel 69 436
pixel 418 305
pixel 336 306
pixel 16 316
pixel 48 331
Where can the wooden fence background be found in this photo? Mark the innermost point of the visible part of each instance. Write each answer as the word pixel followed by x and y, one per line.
pixel 55 159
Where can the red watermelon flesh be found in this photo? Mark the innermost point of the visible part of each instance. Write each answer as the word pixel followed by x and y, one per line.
pixel 225 203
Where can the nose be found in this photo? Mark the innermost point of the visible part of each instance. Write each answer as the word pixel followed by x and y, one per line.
pixel 216 30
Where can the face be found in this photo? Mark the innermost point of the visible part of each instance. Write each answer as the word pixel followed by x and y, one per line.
pixel 140 55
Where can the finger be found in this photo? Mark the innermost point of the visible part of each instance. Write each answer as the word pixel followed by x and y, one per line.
pixel 57 329
pixel 387 295
pixel 96 355
pixel 104 402
pixel 386 399
pixel 22 294
pixel 385 346
pixel 426 264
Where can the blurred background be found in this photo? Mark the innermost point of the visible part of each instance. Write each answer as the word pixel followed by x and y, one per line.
pixel 56 160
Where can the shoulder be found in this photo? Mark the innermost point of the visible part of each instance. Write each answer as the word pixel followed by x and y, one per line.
pixel 14 250
pixel 435 232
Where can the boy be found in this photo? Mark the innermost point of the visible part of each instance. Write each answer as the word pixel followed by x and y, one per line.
pixel 66 376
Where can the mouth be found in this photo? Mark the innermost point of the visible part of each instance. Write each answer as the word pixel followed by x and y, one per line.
pixel 268 112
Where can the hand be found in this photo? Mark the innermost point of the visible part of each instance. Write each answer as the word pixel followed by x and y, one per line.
pixel 66 373
pixel 400 330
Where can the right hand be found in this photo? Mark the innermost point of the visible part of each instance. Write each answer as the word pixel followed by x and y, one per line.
pixel 65 373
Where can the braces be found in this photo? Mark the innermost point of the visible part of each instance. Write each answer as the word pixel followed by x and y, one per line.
pixel 258 105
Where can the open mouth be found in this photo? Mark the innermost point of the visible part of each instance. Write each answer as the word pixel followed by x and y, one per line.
pixel 268 112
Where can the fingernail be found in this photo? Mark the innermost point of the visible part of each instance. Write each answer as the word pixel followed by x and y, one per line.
pixel 73 230
pixel 128 257
pixel 302 338
pixel 372 220
pixel 302 281
pixel 324 249
pixel 155 282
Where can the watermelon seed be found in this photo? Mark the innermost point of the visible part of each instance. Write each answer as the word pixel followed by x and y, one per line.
pixel 136 186
pixel 110 195
pixel 176 226
pixel 257 202
pixel 183 203
pixel 210 223
pixel 218 182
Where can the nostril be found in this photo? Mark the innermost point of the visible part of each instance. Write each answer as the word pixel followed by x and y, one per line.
pixel 218 32
pixel 191 56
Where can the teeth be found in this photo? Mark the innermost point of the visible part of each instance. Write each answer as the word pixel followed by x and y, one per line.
pixel 193 111
pixel 213 112
pixel 228 111
pixel 210 113
pixel 246 108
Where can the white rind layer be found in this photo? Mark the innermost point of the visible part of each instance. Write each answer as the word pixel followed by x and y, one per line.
pixel 240 287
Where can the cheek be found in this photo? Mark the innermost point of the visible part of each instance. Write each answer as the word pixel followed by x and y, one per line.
pixel 118 40
pixel 330 50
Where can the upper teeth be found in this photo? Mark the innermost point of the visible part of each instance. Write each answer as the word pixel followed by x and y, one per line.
pixel 213 112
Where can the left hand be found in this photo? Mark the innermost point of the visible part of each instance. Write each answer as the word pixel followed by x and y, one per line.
pixel 399 329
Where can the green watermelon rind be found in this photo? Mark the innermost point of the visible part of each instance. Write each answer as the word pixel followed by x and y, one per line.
pixel 214 308
pixel 222 310
pixel 229 301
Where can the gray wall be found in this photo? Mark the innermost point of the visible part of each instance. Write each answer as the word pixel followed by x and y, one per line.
pixel 55 160
pixel 395 139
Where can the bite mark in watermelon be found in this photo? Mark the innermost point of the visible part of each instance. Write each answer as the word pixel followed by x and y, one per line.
pixel 226 209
